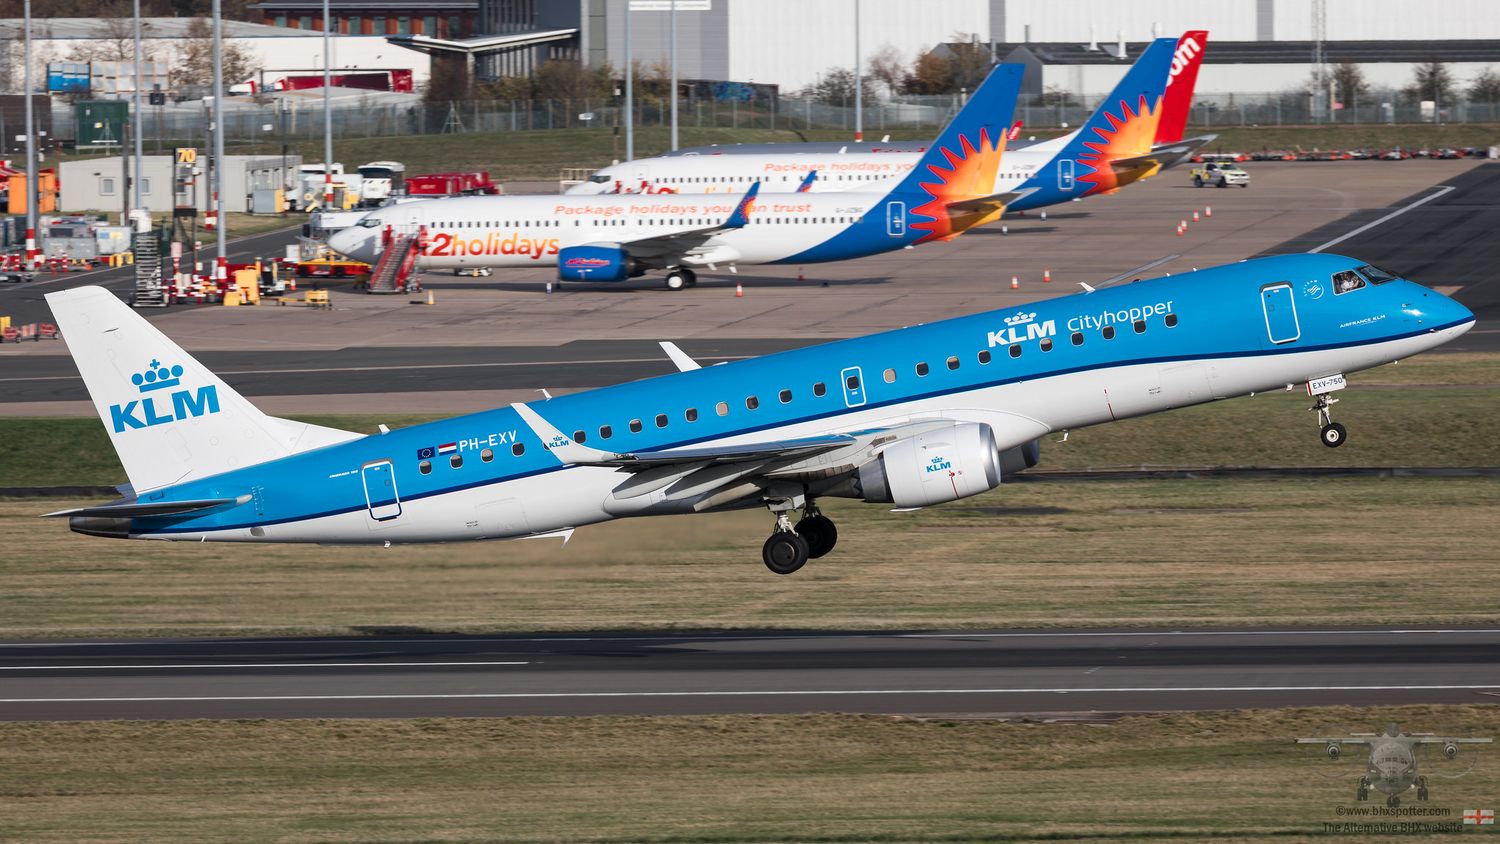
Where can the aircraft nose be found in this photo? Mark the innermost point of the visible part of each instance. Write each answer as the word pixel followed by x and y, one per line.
pixel 349 242
pixel 1445 311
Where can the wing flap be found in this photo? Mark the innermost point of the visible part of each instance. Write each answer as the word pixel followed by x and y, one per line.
pixel 143 509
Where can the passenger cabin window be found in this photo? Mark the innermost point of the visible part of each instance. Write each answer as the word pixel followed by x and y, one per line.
pixel 921 369
pixel 785 396
pixel 1346 281
pixel 580 437
pixel 691 414
pixel 1077 338
pixel 487 455
pixel 820 389
pixel 953 362
pixel 890 376
pixel 1015 350
pixel 1139 326
pixel 635 426
pixel 1170 320
pixel 456 461
pixel 1108 332
pixel 661 420
pixel 751 402
pixel 605 432
pixel 518 449
pixel 425 467
pixel 722 408
pixel 1046 344
pixel 984 356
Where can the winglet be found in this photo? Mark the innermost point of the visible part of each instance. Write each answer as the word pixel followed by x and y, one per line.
pixel 554 441
pixel 807 183
pixel 741 214
pixel 679 358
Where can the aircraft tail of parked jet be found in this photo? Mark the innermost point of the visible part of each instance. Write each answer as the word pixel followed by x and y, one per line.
pixel 958 182
pixel 1182 80
pixel 169 418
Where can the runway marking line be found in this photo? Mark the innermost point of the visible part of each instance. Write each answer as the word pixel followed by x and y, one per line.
pixel 1445 189
pixel 746 693
pixel 957 634
pixel 254 665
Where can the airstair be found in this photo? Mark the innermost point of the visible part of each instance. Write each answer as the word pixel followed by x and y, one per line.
pixel 150 292
pixel 398 259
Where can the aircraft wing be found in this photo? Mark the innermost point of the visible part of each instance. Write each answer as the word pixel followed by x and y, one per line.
pixel 1440 740
pixel 681 241
pixel 143 509
pixel 1336 740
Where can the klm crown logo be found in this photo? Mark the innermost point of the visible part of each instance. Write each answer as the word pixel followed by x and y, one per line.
pixel 1022 325
pixel 145 412
pixel 1020 318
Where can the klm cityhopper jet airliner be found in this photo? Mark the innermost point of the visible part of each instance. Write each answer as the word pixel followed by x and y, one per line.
pixel 957 185
pixel 911 418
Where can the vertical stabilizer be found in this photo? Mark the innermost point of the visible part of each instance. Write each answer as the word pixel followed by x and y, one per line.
pixel 168 417
pixel 1182 80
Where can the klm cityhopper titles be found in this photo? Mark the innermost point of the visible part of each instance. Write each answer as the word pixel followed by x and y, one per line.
pixel 908 418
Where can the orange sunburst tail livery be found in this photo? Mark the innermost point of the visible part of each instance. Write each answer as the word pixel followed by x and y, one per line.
pixel 964 162
pixel 1113 147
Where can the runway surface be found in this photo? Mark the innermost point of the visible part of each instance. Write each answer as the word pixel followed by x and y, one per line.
pixel 966 673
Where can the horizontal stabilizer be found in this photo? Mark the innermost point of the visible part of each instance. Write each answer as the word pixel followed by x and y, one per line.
pixel 143 509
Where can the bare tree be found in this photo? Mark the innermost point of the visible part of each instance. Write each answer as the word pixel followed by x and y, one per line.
pixel 1485 88
pixel 195 64
pixel 887 68
pixel 836 87
pixel 1349 83
pixel 930 74
pixel 971 60
pixel 1430 81
pixel 113 41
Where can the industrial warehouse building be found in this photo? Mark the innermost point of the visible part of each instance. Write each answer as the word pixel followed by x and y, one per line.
pixel 98 184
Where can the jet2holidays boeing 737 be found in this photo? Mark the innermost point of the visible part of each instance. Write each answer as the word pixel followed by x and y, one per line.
pixel 909 418
pixel 833 167
pixel 958 184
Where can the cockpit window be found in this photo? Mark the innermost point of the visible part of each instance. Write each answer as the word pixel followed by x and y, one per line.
pixel 599 178
pixel 1346 281
pixel 1375 274
pixel 368 223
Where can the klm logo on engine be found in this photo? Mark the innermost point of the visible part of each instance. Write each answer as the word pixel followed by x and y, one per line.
pixel 158 408
pixel 939 464
pixel 1020 327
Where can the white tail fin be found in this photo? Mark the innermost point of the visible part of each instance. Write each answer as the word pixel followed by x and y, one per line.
pixel 169 418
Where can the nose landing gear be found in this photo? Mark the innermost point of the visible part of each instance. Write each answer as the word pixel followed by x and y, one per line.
pixel 789 548
pixel 1331 433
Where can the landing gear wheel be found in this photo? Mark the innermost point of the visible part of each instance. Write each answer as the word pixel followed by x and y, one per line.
pixel 690 277
pixel 675 280
pixel 820 533
pixel 1333 435
pixel 785 552
pixel 1422 794
pixel 1362 794
pixel 1393 801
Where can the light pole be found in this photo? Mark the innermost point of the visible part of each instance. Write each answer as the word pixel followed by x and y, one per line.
pixel 327 110
pixel 140 132
pixel 859 83
pixel 221 271
pixel 629 91
pixel 31 162
pixel 673 60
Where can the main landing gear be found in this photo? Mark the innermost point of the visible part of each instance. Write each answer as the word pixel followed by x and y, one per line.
pixel 679 278
pixel 790 547
pixel 1331 433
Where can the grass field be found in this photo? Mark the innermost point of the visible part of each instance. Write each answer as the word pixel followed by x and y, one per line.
pixel 541 154
pixel 1189 777
pixel 1432 410
pixel 1179 553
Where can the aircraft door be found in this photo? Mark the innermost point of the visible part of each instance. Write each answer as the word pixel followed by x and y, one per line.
pixel 1065 174
pixel 380 490
pixel 853 382
pixel 1281 313
pixel 895 219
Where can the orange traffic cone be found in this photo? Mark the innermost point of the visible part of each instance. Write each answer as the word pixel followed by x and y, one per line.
pixel 800 276
pixel 1015 283
pixel 1179 231
pixel 1047 274
pixel 739 290
pixel 1208 210
pixel 1195 216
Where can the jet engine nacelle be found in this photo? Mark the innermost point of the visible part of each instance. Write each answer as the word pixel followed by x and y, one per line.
pixel 1024 456
pixel 1334 751
pixel 930 468
pixel 594 263
pixel 1450 750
